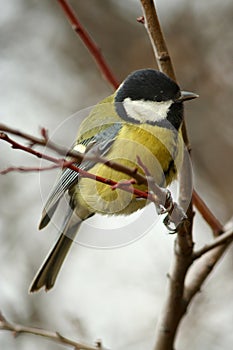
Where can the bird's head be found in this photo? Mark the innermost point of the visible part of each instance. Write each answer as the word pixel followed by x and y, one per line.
pixel 149 96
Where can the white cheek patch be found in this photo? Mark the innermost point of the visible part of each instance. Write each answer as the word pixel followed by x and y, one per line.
pixel 80 148
pixel 144 111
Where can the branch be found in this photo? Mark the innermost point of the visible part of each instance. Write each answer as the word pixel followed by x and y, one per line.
pixel 18 329
pixel 178 296
pixel 174 307
pixel 203 266
pixel 89 43
pixel 162 56
pixel 164 62
pixel 160 48
pixel 201 270
pixel 157 40
pixel 224 238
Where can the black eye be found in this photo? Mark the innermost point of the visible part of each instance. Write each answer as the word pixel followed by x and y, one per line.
pixel 177 96
pixel 157 98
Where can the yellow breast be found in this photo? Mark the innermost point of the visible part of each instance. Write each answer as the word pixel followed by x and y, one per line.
pixel 159 149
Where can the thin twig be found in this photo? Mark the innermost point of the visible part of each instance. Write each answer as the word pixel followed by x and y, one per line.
pixel 200 271
pixel 127 185
pixel 18 329
pixel 89 43
pixel 24 169
pixel 162 56
pixel 208 216
pixel 157 40
pixel 44 141
pixel 63 151
pixel 63 163
pixel 224 238
pixel 176 214
pixel 202 267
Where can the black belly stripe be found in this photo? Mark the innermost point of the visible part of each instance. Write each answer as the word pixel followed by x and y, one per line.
pixel 170 169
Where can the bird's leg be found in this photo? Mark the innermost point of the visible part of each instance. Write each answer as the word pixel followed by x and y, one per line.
pixel 175 217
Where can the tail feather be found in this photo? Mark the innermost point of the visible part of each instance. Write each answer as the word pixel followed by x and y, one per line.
pixel 47 274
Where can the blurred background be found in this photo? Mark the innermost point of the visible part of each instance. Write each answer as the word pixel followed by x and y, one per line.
pixel 46 76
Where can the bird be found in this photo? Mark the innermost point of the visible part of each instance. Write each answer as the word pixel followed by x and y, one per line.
pixel 142 120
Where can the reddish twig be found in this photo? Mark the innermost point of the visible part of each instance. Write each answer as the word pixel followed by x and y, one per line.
pixel 63 151
pixel 89 43
pixel 176 214
pixel 141 19
pixel 156 196
pixel 44 134
pixel 69 164
pixel 44 141
pixel 209 217
pixel 24 169
pixel 122 184
pixel 133 172
pixel 161 193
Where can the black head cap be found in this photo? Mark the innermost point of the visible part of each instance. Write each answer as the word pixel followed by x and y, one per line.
pixel 148 84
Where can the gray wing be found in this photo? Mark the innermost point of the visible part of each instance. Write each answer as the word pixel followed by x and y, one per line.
pixel 100 143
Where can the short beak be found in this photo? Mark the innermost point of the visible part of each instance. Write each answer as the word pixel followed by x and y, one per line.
pixel 186 95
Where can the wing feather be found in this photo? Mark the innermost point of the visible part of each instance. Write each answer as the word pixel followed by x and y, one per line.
pixel 101 143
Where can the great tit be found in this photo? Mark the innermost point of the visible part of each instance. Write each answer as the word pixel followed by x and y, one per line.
pixel 141 120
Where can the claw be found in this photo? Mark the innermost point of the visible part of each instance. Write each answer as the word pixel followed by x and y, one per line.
pixel 168 206
pixel 167 222
pixel 175 217
pixel 165 203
